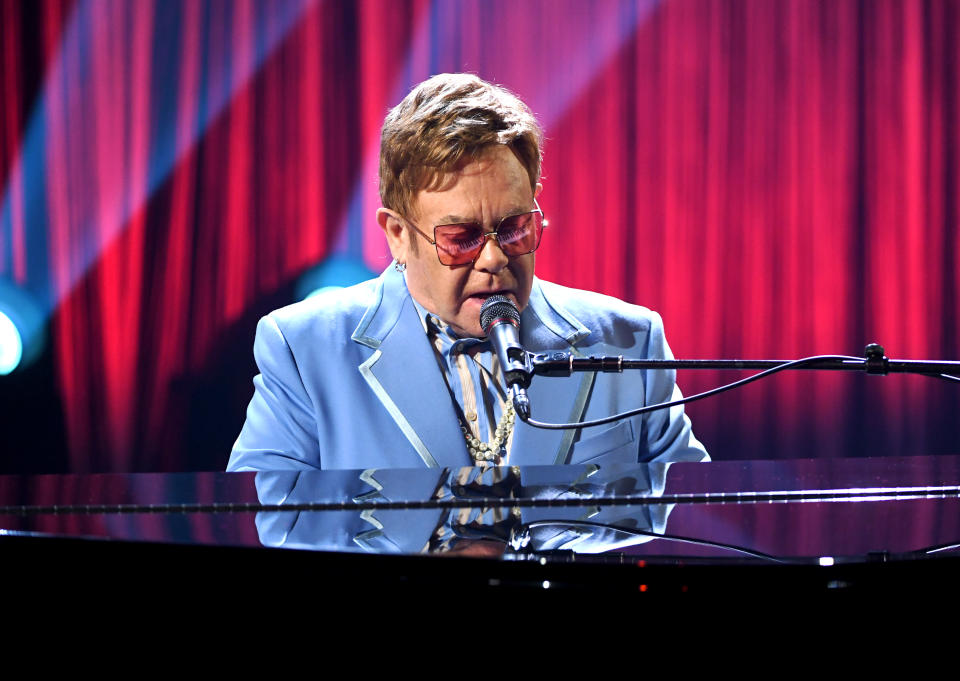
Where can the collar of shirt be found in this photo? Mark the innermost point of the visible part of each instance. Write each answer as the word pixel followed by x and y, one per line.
pixel 448 344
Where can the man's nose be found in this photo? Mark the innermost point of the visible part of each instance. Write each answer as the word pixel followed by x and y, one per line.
pixel 491 258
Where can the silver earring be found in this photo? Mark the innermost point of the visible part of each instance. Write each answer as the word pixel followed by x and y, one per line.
pixel 400 267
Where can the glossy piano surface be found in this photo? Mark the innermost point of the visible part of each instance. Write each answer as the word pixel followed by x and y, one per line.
pixel 844 509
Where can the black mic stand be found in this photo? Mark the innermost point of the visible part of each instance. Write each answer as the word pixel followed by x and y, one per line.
pixel 874 362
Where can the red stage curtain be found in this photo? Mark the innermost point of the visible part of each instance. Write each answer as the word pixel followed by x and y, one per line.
pixel 777 179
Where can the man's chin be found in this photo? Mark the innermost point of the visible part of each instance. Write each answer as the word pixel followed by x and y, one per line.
pixel 468 325
pixel 468 330
pixel 469 318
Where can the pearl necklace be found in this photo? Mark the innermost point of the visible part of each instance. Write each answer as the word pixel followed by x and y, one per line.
pixel 482 451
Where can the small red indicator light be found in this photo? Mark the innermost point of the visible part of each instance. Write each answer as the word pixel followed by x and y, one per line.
pixel 643 587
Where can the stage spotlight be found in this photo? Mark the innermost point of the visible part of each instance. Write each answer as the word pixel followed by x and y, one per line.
pixel 335 272
pixel 21 328
pixel 11 345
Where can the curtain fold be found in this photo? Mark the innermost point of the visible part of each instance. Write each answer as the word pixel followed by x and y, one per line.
pixel 777 179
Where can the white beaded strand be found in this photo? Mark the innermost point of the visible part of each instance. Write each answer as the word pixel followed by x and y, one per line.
pixel 482 451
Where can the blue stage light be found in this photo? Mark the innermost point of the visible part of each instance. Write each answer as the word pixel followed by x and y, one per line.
pixel 22 334
pixel 335 272
pixel 70 79
pixel 11 345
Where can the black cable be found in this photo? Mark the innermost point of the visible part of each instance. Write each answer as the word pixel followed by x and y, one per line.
pixel 656 535
pixel 937 548
pixel 945 377
pixel 692 398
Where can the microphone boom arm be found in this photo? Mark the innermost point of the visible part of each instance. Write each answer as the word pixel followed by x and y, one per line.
pixel 874 362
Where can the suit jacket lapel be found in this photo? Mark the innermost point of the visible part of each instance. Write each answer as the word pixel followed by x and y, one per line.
pixel 403 374
pixel 546 327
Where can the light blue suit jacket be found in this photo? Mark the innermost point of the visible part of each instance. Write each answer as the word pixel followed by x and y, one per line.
pixel 348 380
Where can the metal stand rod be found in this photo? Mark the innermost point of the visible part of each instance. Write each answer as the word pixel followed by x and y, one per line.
pixel 874 362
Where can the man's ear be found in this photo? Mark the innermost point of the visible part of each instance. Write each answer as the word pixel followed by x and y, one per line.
pixel 537 190
pixel 396 235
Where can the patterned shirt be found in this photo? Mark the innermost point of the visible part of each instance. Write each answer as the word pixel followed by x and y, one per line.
pixel 472 371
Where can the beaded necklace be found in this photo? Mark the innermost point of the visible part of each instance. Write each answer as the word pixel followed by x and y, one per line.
pixel 486 452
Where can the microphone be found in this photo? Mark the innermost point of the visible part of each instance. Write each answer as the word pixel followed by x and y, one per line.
pixel 500 321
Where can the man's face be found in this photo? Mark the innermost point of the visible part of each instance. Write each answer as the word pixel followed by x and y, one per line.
pixel 484 191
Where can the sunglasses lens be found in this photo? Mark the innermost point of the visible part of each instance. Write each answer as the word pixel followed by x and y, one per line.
pixel 460 244
pixel 520 234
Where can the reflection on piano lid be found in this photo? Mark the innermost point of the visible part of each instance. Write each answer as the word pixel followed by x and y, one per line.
pixel 836 523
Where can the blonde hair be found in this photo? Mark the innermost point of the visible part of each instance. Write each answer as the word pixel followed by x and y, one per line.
pixel 445 122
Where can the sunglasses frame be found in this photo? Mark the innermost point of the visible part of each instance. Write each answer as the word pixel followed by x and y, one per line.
pixel 494 233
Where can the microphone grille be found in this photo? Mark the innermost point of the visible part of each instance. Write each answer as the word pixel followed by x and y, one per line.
pixel 497 307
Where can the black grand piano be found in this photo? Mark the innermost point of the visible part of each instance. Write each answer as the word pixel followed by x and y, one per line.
pixel 886 525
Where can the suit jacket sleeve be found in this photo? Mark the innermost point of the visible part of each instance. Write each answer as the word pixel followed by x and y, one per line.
pixel 668 431
pixel 281 411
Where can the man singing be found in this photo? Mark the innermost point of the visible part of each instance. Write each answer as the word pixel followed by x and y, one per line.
pixel 396 372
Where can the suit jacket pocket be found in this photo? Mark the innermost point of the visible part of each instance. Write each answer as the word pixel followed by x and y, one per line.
pixel 615 444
